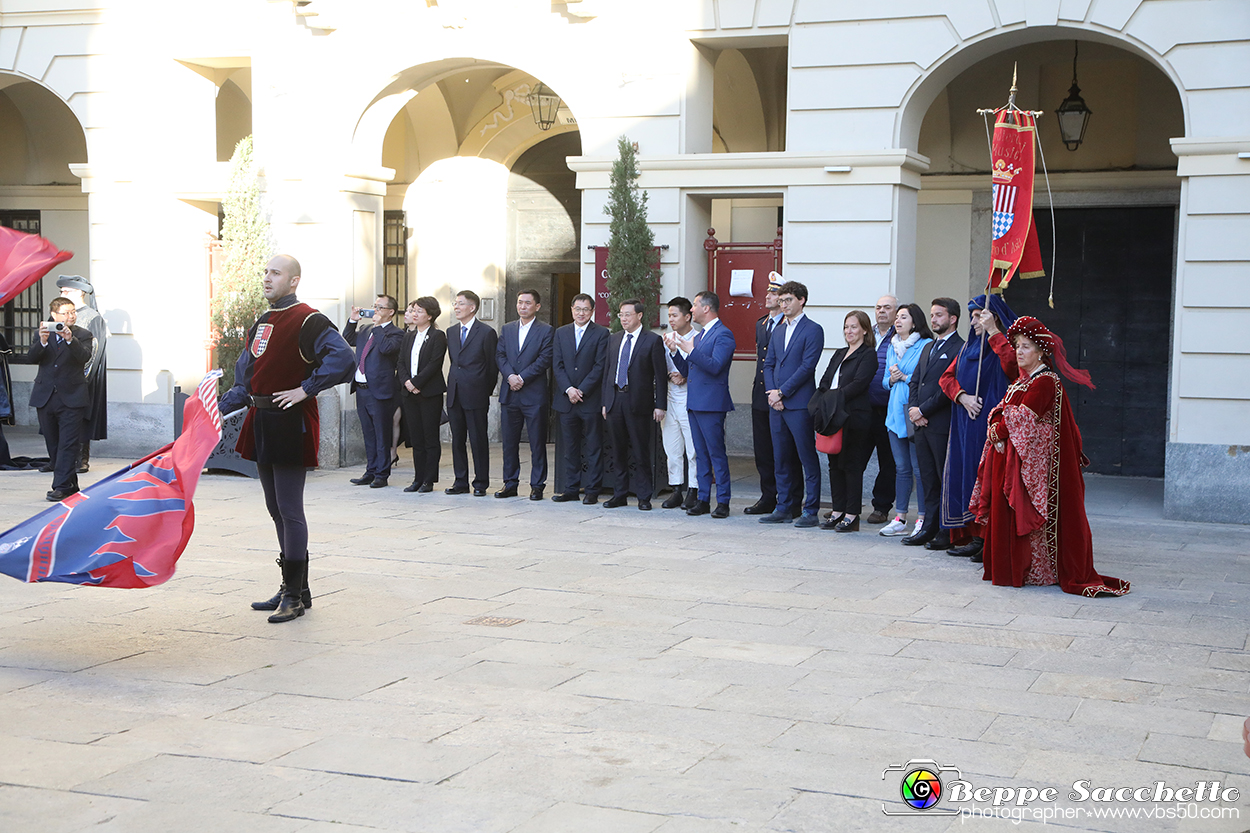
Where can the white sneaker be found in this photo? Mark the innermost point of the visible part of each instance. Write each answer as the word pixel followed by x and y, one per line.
pixel 919 526
pixel 894 528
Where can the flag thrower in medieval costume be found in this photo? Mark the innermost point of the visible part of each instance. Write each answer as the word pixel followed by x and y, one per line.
pixel 24 259
pixel 129 529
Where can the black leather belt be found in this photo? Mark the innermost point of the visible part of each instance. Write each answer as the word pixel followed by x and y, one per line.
pixel 262 401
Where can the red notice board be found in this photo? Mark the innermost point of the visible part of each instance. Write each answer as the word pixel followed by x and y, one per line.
pixel 740 313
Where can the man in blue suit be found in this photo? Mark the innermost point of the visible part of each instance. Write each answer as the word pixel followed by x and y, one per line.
pixel 579 358
pixel 471 347
pixel 524 357
pixel 375 387
pixel 790 381
pixel 711 352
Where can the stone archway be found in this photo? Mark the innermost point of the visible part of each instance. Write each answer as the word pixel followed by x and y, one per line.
pixel 451 131
pixel 1117 198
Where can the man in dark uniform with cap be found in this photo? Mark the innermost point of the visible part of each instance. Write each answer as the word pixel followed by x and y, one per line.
pixel 95 426
pixel 761 430
pixel 293 353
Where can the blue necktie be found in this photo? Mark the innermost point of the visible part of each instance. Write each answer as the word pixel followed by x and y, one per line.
pixel 782 328
pixel 577 339
pixel 622 369
pixel 698 338
pixel 464 334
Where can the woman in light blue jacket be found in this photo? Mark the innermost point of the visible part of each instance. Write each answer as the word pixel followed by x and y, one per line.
pixel 911 334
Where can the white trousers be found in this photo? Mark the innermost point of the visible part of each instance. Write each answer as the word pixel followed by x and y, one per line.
pixel 678 441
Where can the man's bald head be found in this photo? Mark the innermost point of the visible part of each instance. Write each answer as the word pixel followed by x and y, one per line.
pixel 281 277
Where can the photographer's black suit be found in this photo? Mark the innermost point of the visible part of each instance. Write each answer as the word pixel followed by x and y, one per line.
pixel 60 396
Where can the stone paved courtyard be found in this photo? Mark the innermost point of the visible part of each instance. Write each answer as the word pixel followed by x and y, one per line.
pixel 667 674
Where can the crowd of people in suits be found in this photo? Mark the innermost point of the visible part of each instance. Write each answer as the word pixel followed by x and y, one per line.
pixel 909 388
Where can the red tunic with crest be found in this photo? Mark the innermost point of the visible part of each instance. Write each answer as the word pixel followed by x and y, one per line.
pixel 1031 495
pixel 279 364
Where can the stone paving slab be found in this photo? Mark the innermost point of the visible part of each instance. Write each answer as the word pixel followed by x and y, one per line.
pixel 669 674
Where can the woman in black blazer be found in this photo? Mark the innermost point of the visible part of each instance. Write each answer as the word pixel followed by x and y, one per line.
pixel 854 366
pixel 420 366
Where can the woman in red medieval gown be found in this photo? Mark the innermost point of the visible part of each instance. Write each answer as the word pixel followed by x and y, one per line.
pixel 1030 493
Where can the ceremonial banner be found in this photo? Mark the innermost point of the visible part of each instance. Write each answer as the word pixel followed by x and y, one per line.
pixel 24 259
pixel 129 529
pixel 1014 246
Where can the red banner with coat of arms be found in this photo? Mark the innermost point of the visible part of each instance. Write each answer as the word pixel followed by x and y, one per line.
pixel 1014 248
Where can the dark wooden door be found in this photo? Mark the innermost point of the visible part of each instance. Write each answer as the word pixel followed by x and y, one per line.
pixel 1113 301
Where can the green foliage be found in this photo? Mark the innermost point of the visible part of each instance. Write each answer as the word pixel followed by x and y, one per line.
pixel 631 244
pixel 238 298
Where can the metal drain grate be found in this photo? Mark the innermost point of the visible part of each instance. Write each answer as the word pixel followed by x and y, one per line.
pixel 494 621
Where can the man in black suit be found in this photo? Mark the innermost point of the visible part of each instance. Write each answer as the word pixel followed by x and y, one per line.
pixel 60 394
pixel 524 357
pixel 634 397
pixel 761 430
pixel 471 346
pixel 578 361
pixel 929 409
pixel 375 387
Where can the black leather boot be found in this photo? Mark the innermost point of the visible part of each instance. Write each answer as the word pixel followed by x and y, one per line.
pixel 290 606
pixel 272 604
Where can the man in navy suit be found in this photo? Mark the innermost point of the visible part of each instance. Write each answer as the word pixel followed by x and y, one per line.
pixel 375 387
pixel 635 396
pixel 790 381
pixel 60 394
pixel 929 409
pixel 471 347
pixel 579 358
pixel 524 357
pixel 710 353
pixel 761 431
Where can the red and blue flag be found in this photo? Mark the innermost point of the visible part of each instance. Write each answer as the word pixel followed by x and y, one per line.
pixel 129 529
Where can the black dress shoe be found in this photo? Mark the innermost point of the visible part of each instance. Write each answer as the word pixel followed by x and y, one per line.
pixel 426 487
pixel 363 480
pixel 456 490
pixel 536 493
pixel 977 558
pixel 46 469
pixel 413 487
pixel 674 500
pixel 479 493
pixel 614 501
pixel 761 507
pixel 700 507
pixel 692 497
pixel 506 491
pixel 590 500
pixel 938 544
pixel 848 525
pixel 378 483
pixel 721 511
pixel 919 539
pixel 965 550
pixel 644 505
pixel 564 497
pixel 58 495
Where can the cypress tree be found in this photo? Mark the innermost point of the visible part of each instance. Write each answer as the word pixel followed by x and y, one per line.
pixel 631 244
pixel 238 298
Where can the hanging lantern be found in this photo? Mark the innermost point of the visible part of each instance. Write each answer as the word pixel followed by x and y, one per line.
pixel 1073 114
pixel 544 104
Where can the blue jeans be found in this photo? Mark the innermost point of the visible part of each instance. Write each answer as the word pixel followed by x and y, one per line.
pixel 906 468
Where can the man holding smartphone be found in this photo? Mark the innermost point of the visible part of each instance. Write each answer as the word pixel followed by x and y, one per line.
pixel 61 351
